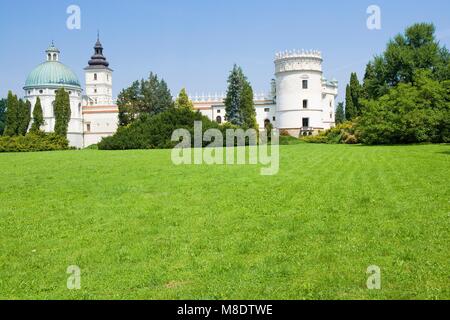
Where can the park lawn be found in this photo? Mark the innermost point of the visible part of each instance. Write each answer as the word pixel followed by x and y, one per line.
pixel 140 227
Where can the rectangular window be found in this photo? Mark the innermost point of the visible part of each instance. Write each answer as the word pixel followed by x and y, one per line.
pixel 305 104
pixel 305 122
pixel 218 111
pixel 305 84
pixel 266 109
pixel 88 127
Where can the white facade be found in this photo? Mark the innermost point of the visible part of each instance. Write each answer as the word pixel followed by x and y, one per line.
pixel 93 115
pixel 304 102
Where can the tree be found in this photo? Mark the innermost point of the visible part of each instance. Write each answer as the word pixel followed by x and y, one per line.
pixel 128 104
pixel 12 115
pixel 183 101
pixel 2 115
pixel 416 49
pixel 38 117
pixel 151 97
pixel 239 103
pixel 248 110
pixel 350 109
pixel 234 96
pixel 340 113
pixel 409 113
pixel 355 90
pixel 62 112
pixel 24 117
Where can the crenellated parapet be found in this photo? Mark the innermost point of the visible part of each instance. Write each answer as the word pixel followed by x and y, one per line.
pixel 298 60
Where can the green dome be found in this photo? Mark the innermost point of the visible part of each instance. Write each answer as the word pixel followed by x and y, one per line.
pixel 52 74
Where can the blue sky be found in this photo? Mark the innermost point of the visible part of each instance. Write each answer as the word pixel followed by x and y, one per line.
pixel 194 43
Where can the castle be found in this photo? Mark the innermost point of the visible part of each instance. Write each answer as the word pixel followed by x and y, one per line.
pixel 302 101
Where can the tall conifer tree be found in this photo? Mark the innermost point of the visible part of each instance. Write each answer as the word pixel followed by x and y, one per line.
pixel 62 112
pixel 38 117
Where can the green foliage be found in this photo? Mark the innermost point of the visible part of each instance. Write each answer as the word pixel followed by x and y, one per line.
pixel 233 99
pixel 2 115
pixel 155 132
pixel 38 117
pixel 344 133
pixel 340 113
pixel 183 100
pixel 239 104
pixel 24 117
pixel 62 112
pixel 33 142
pixel 12 115
pixel 352 98
pixel 248 110
pixel 417 49
pixel 151 97
pixel 409 113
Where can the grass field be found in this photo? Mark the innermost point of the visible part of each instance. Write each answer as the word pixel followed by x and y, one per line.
pixel 142 228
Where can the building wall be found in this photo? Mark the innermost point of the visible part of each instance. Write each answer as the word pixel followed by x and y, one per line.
pixel 47 97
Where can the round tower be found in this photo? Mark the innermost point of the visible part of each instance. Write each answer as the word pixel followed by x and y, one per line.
pixel 299 89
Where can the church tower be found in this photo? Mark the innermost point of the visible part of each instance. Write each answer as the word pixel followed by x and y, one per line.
pixel 98 78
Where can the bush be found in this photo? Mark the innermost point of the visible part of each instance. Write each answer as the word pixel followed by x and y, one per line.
pixel 34 142
pixel 155 132
pixel 342 133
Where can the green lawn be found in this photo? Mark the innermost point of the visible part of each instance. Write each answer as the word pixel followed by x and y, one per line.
pixel 142 228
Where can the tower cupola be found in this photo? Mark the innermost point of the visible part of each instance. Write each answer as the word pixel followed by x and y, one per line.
pixel 52 53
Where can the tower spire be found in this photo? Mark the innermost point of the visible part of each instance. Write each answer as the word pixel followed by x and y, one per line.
pixel 98 60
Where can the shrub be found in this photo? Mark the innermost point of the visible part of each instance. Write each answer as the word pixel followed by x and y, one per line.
pixel 155 132
pixel 342 133
pixel 34 142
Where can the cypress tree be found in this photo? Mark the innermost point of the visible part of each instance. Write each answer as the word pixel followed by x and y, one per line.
pixel 350 110
pixel 62 112
pixel 38 117
pixel 2 115
pixel 340 113
pixel 248 106
pixel 355 90
pixel 24 117
pixel 12 120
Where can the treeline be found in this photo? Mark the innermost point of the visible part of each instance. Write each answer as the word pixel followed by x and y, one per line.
pixel 21 129
pixel 148 115
pixel 404 97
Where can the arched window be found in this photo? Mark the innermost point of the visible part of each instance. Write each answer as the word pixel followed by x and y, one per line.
pixel 267 123
pixel 54 57
pixel 95 77
pixel 79 108
pixel 219 119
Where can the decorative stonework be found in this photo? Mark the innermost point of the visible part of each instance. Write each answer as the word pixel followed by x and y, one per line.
pixel 298 60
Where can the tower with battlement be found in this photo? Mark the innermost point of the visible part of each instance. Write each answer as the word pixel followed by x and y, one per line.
pixel 305 102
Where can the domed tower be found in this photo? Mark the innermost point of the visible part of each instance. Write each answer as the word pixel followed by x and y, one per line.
pixel 98 78
pixel 304 100
pixel 44 81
